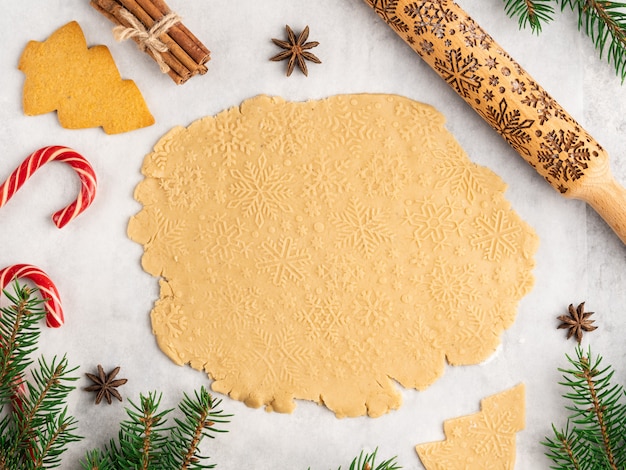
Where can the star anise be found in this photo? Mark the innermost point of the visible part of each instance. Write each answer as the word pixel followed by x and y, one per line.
pixel 577 321
pixel 296 50
pixel 105 385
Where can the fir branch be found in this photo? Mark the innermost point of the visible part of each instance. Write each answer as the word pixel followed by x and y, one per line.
pixel 562 449
pixel 593 398
pixel 143 435
pixel 42 426
pixel 598 415
pixel 145 442
pixel 19 335
pixel 37 430
pixel 603 21
pixel 530 12
pixel 97 460
pixel 200 418
pixel 367 461
pixel 53 442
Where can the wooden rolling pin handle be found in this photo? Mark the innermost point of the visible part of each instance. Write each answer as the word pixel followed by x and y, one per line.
pixel 510 100
pixel 608 198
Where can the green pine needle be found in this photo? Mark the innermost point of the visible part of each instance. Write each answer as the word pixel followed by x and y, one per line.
pixel 603 21
pixel 145 441
pixel 201 415
pixel 144 432
pixel 533 13
pixel 97 460
pixel 19 334
pixel 367 461
pixel 595 433
pixel 58 434
pixel 35 428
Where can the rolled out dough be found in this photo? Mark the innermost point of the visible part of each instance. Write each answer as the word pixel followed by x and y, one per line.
pixel 323 250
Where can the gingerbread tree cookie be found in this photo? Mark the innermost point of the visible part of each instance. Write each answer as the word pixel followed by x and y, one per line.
pixel 482 440
pixel 82 84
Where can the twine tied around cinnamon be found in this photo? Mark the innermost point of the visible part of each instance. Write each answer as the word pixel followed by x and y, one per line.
pixel 148 39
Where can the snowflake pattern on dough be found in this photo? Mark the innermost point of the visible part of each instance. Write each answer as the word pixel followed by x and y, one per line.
pixel 497 87
pixel 329 266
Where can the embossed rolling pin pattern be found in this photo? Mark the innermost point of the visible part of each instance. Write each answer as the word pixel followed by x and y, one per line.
pixel 514 104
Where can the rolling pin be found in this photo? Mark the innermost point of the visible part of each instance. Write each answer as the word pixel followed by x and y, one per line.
pixel 514 104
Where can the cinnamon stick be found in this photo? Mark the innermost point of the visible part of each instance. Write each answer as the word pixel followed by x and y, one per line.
pixel 188 41
pixel 112 10
pixel 138 8
pixel 181 54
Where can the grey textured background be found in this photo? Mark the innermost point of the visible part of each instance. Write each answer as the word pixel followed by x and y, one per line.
pixel 107 297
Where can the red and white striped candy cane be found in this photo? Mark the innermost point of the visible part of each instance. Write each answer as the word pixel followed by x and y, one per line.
pixel 19 391
pixel 54 315
pixel 61 154
pixel 49 292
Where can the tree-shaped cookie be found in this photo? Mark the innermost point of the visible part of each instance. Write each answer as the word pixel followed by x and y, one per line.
pixel 82 84
pixel 482 440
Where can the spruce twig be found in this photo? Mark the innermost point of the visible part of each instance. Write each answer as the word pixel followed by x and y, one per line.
pixel 35 432
pixel 201 415
pixel 146 442
pixel 595 434
pixel 18 338
pixel 603 21
pixel 562 449
pixel 143 434
pixel 366 461
pixel 42 420
pixel 97 460
pixel 530 12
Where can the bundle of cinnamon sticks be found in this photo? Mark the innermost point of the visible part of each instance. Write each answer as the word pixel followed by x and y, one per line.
pixel 179 53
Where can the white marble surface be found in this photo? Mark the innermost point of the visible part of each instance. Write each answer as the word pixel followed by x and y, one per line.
pixel 107 297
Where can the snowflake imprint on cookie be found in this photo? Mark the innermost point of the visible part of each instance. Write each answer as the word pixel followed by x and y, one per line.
pixel 333 250
pixel 481 440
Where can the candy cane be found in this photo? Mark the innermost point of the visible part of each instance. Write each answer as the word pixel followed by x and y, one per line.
pixel 19 391
pixel 54 315
pixel 62 154
pixel 49 292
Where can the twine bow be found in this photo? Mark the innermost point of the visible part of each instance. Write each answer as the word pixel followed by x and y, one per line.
pixel 148 38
